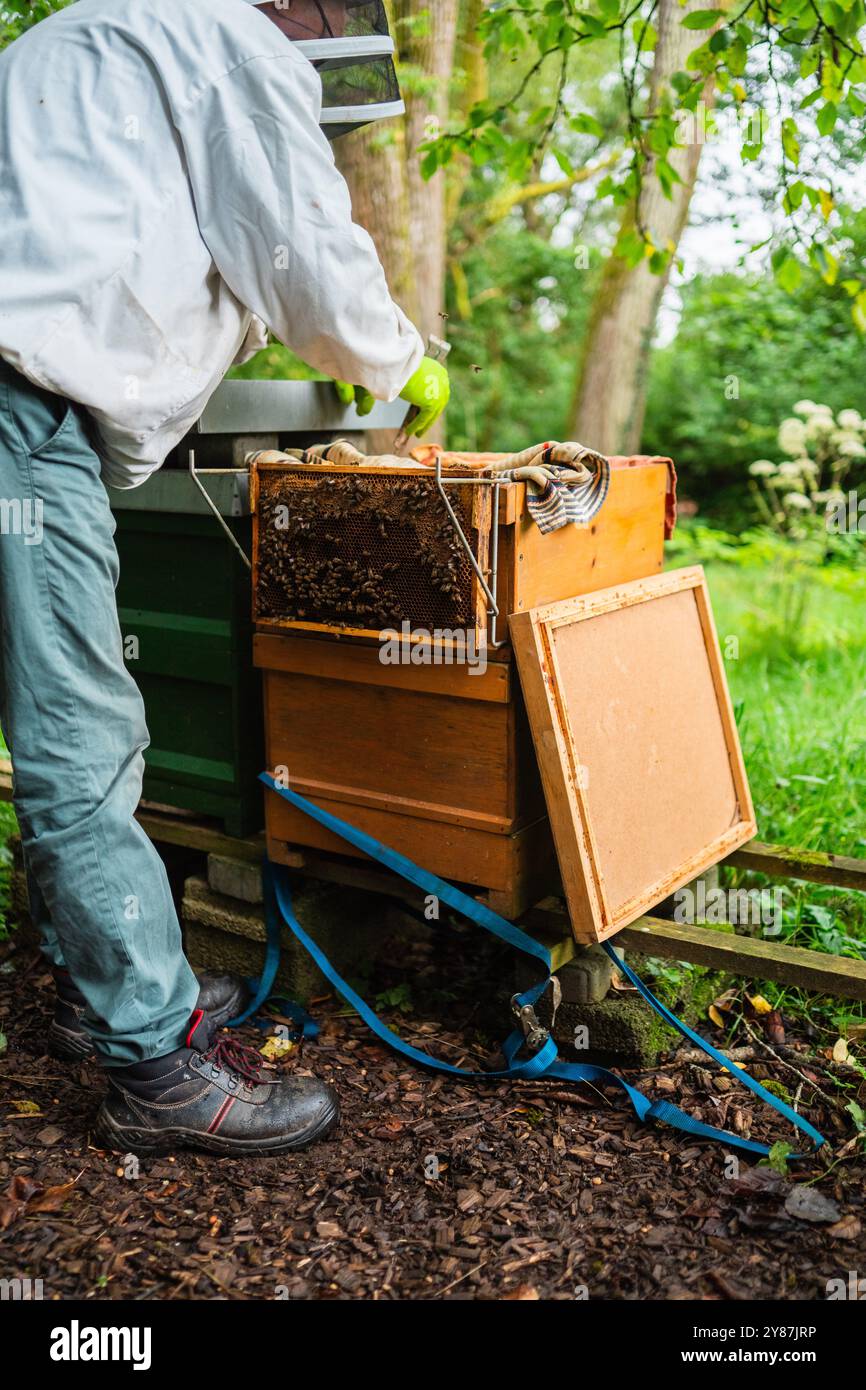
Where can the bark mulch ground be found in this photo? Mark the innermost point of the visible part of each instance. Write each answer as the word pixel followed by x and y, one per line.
pixel 434 1188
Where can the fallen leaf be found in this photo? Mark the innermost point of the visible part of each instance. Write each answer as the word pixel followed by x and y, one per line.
pixel 846 1229
pixel 523 1292
pixel 23 1196
pixel 276 1047
pixel 808 1204
pixel 840 1050
pixel 716 1016
pixel 759 1004
pixel 51 1198
pixel 754 1182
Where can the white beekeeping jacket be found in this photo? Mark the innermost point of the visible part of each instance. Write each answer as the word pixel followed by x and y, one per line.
pixel 163 180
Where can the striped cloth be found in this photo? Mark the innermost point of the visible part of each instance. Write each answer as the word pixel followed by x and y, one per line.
pixel 564 483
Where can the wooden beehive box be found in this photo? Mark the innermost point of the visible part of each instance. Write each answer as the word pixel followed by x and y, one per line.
pixel 436 760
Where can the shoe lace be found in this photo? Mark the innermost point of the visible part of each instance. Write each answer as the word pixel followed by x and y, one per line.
pixel 228 1053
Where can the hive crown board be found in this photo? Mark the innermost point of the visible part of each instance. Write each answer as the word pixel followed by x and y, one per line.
pixel 636 742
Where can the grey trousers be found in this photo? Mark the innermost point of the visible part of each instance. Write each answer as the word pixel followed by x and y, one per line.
pixel 73 720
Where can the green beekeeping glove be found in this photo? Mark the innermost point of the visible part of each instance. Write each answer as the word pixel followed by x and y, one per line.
pixel 357 395
pixel 429 389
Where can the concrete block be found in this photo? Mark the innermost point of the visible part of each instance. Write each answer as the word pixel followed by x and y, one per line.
pixel 235 878
pixel 586 979
pixel 619 1031
pixel 223 933
pixel 612 1029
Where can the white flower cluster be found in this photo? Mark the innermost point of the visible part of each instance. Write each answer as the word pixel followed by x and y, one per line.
pixel 820 448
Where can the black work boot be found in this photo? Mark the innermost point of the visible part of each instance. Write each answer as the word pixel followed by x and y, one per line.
pixel 220 996
pixel 211 1095
pixel 67 1036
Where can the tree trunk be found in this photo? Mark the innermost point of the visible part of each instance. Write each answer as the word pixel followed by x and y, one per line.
pixel 373 162
pixel 610 397
pixel 427 38
pixel 404 213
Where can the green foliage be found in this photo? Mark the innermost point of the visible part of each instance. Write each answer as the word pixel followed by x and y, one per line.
pixel 745 352
pixel 16 16
pixel 798 690
pixel 778 1157
pixel 803 58
pixel 8 827
pixel 275 362
pixel 512 366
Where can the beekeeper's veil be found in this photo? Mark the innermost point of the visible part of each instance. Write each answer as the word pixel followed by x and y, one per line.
pixel 359 83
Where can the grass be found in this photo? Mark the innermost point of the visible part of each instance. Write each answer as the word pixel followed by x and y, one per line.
pixel 795 654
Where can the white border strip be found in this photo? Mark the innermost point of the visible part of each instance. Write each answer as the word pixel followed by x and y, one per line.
pixel 346 115
pixel 366 46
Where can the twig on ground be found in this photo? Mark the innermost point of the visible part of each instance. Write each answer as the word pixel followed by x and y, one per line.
pixel 829 1100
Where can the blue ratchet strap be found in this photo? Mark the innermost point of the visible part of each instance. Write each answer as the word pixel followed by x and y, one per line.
pixel 545 1061
pixel 261 988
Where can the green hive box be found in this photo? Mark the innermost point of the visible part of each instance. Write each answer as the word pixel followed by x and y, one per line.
pixel 184 604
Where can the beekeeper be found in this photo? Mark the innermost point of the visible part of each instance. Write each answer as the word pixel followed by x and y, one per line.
pixel 166 189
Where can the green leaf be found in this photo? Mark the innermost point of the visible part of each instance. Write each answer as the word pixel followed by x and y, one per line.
pixel 593 27
pixel 826 118
pixel 631 248
pixel 825 263
pixel 790 141
pixel 794 196
pixel 645 34
pixel 790 274
pixel 777 1158
pixel 701 19
pixel 667 176
pixel 858 1115
pixel 587 125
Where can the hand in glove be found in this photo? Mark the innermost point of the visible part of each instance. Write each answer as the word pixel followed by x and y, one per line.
pixel 429 389
pixel 358 396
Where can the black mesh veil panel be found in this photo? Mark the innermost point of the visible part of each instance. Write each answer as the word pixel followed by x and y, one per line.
pixel 366 17
pixel 346 82
pixel 356 65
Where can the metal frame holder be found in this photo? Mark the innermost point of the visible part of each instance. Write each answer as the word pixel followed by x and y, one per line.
pixel 195 473
pixel 489 589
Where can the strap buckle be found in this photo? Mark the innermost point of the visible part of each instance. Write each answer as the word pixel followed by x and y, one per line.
pixel 534 1033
